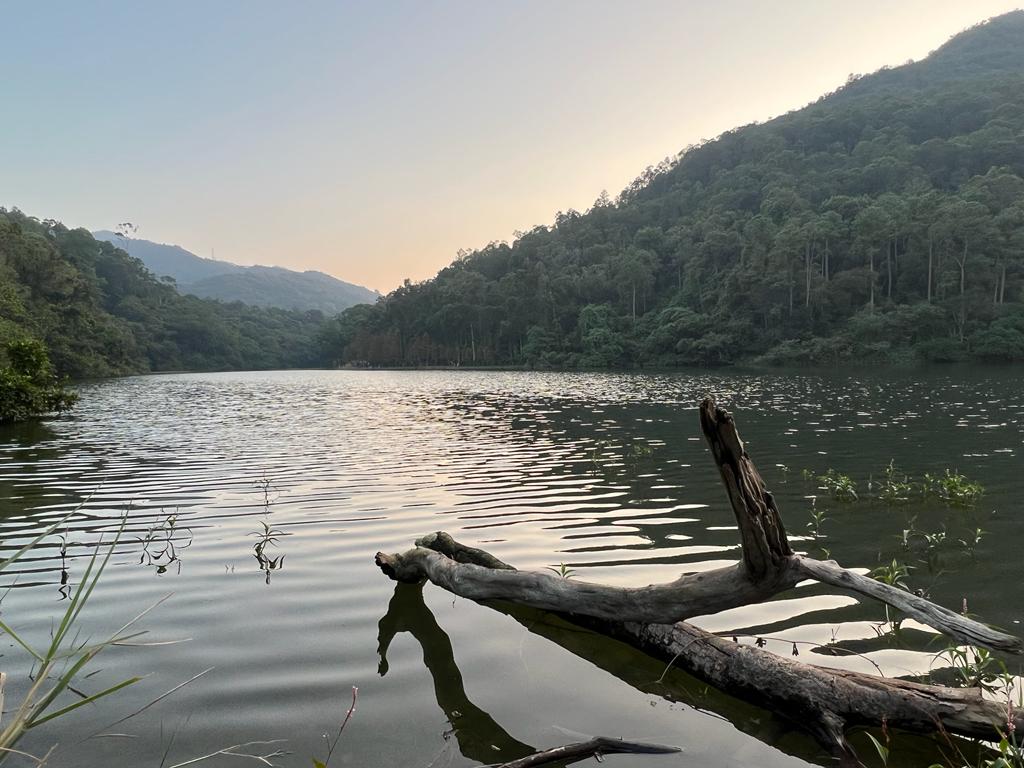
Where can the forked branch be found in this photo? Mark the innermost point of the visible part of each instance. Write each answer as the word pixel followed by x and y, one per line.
pixel 824 701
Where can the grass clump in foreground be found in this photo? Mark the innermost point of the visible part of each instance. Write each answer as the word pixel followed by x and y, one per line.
pixel 65 657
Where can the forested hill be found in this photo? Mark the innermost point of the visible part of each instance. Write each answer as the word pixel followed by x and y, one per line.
pixel 259 286
pixel 101 312
pixel 886 220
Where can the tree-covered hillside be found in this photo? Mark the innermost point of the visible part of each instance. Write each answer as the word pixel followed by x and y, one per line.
pixel 884 220
pixel 100 312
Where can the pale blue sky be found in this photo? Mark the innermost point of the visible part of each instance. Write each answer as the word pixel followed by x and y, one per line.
pixel 371 140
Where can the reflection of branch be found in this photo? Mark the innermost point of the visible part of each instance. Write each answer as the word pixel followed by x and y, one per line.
pixel 480 738
pixel 572 753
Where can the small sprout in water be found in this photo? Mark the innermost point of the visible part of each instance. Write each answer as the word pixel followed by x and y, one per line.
pixel 894 574
pixel 818 516
pixel 563 570
pixel 970 542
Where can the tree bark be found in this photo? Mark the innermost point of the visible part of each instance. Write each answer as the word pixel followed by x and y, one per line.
pixel 823 701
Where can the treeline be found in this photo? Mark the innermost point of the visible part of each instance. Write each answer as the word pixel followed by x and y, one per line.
pixel 885 220
pixel 100 312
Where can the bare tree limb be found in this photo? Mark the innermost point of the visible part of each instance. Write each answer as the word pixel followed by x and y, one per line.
pixel 824 701
pixel 596 747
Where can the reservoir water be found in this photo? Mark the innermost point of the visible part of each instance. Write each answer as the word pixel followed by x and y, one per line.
pixel 257 502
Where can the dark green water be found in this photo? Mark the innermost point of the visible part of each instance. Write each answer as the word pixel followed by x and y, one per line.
pixel 603 473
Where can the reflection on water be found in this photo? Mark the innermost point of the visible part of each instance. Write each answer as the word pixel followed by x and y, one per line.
pixel 258 499
pixel 479 737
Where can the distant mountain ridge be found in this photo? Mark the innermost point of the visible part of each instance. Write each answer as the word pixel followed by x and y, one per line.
pixel 259 286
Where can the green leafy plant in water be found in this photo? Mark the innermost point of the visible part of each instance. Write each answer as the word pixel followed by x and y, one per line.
pixel 639 450
pixel 953 488
pixel 269 491
pixel 818 518
pixel 975 667
pixel 894 574
pixel 907 538
pixel 267 537
pixel 162 542
pixel 895 487
pixel 562 570
pixel 840 486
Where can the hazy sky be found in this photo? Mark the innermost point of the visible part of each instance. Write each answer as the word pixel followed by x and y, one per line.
pixel 371 140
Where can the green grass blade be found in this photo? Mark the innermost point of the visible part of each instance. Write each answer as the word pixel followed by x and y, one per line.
pixel 59 687
pixel 85 589
pixel 20 642
pixel 83 702
pixel 31 544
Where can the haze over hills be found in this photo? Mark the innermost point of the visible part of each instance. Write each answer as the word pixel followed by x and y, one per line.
pixel 259 286
pixel 883 222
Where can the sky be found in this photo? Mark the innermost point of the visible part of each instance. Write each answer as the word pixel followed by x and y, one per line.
pixel 373 139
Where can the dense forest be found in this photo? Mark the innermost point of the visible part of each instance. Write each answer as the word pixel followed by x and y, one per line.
pixel 885 221
pixel 100 312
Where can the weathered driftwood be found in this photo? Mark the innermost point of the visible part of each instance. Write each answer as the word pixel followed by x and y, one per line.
pixel 596 747
pixel 824 701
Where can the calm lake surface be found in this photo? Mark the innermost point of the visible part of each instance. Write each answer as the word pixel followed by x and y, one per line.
pixel 604 473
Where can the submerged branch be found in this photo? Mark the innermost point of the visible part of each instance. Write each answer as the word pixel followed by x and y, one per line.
pixel 596 747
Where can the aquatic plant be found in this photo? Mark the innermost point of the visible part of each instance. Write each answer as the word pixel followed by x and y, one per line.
pixel 894 574
pixel 267 537
pixel 269 491
pixel 818 517
pixel 840 486
pixel 162 542
pixel 975 667
pixel 953 488
pixel 562 570
pixel 895 487
pixel 57 666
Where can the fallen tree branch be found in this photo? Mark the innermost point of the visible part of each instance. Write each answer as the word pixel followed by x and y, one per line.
pixel 690 595
pixel 821 700
pixel 824 701
pixel 954 625
pixel 596 747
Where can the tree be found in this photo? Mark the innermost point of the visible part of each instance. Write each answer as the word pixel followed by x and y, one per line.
pixel 28 386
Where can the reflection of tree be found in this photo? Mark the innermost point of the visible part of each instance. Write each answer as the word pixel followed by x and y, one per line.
pixel 480 738
pixel 476 730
